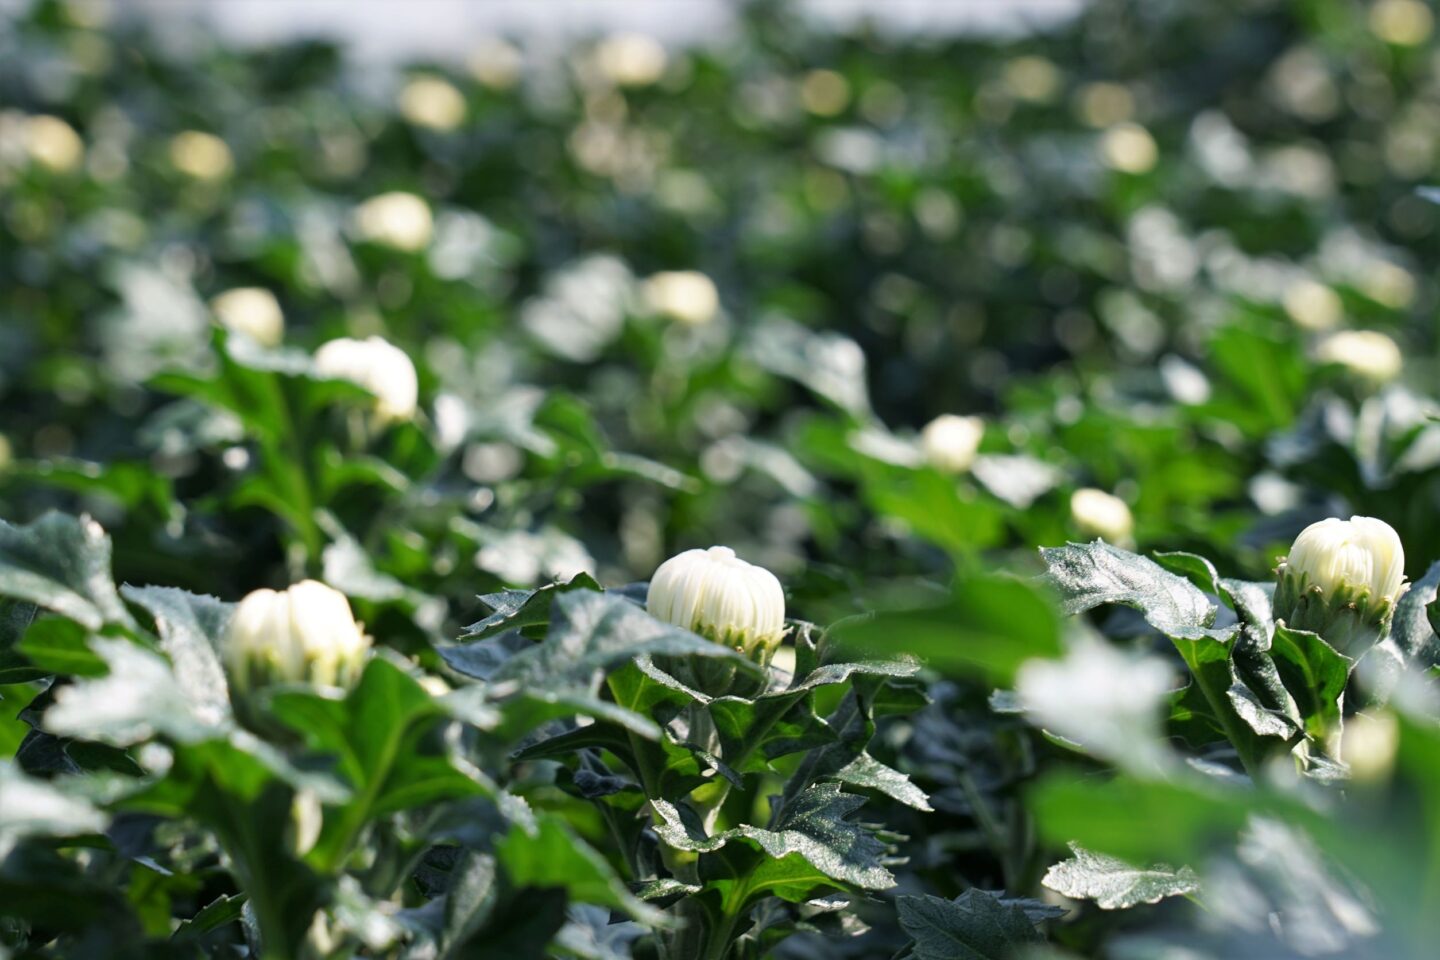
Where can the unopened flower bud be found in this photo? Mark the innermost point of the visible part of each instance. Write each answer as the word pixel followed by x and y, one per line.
pixel 717 595
pixel 53 143
pixel 305 634
pixel 1341 580
pixel 950 442
pixel 380 367
pixel 433 102
pixel 1366 354
pixel 1100 514
pixel 397 219
pixel 684 295
pixel 253 311
pixel 202 156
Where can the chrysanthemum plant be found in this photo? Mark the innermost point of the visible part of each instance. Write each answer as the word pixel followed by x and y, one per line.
pixel 201 778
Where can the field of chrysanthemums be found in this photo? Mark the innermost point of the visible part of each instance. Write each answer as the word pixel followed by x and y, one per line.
pixel 813 496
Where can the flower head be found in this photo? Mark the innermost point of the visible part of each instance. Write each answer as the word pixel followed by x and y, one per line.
pixel 253 311
pixel 399 220
pixel 684 295
pixel 1342 576
pixel 378 366
pixel 1102 514
pixel 950 442
pixel 305 634
pixel 1367 354
pixel 717 595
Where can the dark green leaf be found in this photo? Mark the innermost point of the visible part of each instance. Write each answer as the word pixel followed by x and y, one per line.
pixel 190 628
pixel 61 563
pixel 974 926
pixel 987 625
pixel 517 609
pixel 1095 574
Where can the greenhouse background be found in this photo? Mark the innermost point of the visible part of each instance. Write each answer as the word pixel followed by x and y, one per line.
pixel 481 314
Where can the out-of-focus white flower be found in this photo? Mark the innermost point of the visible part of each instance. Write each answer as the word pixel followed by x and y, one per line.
pixel 1033 78
pixel 1368 354
pixel 496 63
pixel 824 92
pixel 305 634
pixel 53 143
pixel 432 102
pixel 200 155
pixel 378 366
pixel 631 59
pixel 1368 745
pixel 396 219
pixel 1103 699
pixel 717 595
pixel 1100 514
pixel 1104 104
pixel 1405 23
pixel 307 816
pixel 950 442
pixel 1341 580
pixel 1313 305
pixel 685 295
pixel 1129 148
pixel 253 311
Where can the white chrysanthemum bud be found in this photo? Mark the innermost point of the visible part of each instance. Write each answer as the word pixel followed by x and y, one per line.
pixel 1129 148
pixel 950 442
pixel 684 295
pixel 1368 354
pixel 200 155
pixel 496 63
pixel 717 595
pixel 253 311
pixel 1100 514
pixel 378 366
pixel 1341 580
pixel 53 143
pixel 432 102
pixel 631 59
pixel 398 219
pixel 305 634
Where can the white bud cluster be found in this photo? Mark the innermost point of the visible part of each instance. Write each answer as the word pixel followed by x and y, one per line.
pixel 305 634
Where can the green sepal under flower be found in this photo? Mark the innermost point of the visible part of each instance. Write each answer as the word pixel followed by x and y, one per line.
pixel 1349 618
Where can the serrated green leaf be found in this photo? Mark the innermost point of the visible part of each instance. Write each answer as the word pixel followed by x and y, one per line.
pixel 30 807
pixel 1114 884
pixel 61 563
pixel 866 771
pixel 548 854
pixel 1412 628
pixel 1095 574
pixel 517 609
pixel 190 627
pixel 975 926
pixel 813 830
pixel 136 700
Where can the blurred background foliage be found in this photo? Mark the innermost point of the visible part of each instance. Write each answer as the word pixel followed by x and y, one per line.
pixel 1120 241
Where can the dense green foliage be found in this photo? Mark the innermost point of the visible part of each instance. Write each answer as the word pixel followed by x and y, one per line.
pixel 1127 244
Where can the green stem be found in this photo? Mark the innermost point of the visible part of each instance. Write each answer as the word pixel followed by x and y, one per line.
pixel 1235 730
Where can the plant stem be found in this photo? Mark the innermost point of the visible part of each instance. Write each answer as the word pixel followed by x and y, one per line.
pixel 1235 730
